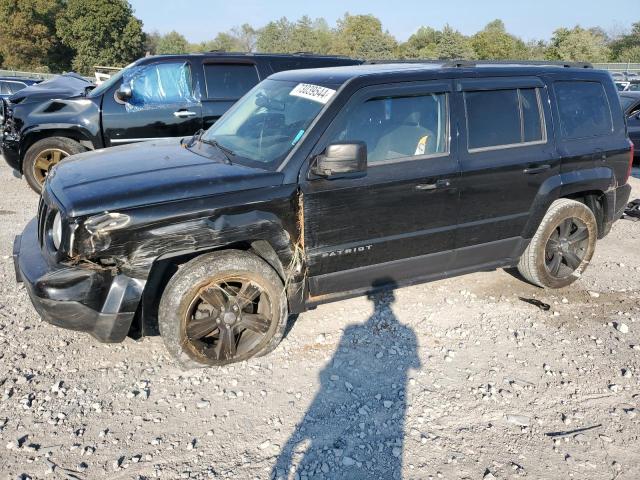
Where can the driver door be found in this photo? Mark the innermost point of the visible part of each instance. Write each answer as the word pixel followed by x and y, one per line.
pixel 397 224
pixel 164 104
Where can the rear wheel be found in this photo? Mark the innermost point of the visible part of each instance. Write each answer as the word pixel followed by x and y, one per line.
pixel 43 155
pixel 562 247
pixel 221 308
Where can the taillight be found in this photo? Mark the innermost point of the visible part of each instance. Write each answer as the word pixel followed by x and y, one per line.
pixel 630 162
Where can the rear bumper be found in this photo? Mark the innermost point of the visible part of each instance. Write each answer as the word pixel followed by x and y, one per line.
pixel 85 299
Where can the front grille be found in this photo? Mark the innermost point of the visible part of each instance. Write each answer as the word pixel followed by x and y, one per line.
pixel 43 213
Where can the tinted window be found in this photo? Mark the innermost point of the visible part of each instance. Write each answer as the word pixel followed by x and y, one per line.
pixel 493 118
pixel 4 89
pixel 229 81
pixel 397 127
pixel 531 123
pixel 503 117
pixel 584 109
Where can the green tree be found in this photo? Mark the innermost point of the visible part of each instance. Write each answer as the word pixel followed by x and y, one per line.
pixel 578 44
pixel 28 38
pixel 102 32
pixel 625 48
pixel 224 42
pixel 172 43
pixel 494 43
pixel 453 45
pixel 245 37
pixel 361 36
pixel 536 50
pixel 151 40
pixel 421 44
pixel 275 36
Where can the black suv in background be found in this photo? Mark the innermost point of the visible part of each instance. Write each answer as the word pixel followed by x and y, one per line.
pixel 324 184
pixel 155 97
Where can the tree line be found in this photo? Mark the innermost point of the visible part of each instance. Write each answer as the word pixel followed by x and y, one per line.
pixel 62 35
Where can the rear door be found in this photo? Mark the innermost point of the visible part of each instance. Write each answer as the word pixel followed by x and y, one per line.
pixel 224 84
pixel 165 103
pixel 507 155
pixel 397 223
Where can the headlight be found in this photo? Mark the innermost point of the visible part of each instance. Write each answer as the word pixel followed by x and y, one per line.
pixel 56 231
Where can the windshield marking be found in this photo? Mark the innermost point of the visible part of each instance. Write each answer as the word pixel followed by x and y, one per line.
pixel 312 92
pixel 298 137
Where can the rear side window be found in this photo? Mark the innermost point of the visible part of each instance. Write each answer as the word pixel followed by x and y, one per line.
pixel 584 109
pixel 229 81
pixel 500 118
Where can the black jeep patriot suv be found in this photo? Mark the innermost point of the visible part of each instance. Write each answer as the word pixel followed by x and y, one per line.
pixel 155 97
pixel 317 185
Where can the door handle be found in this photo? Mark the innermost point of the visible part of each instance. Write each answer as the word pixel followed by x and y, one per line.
pixel 433 186
pixel 184 114
pixel 534 170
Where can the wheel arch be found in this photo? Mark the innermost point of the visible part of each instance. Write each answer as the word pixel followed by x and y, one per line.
pixel 164 267
pixel 76 133
pixel 588 186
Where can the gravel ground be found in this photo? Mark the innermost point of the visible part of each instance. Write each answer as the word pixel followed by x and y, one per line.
pixel 454 379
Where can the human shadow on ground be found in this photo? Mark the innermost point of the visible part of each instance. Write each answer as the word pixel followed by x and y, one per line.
pixel 354 428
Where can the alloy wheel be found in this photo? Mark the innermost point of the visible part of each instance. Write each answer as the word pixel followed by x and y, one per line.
pixel 566 247
pixel 45 161
pixel 227 319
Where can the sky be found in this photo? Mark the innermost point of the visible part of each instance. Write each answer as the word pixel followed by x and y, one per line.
pixel 200 20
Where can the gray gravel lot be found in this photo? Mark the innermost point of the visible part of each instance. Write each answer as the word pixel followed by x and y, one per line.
pixel 454 379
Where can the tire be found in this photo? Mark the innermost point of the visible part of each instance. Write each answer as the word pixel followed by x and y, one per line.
pixel 43 155
pixel 555 258
pixel 208 286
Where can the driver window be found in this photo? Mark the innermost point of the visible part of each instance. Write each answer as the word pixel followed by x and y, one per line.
pixel 397 127
pixel 161 84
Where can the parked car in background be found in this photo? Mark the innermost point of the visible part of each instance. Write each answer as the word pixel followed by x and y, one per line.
pixel 324 184
pixel 61 86
pixel 631 106
pixel 11 85
pixel 155 97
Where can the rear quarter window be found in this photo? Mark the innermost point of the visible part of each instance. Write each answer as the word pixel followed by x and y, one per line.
pixel 584 109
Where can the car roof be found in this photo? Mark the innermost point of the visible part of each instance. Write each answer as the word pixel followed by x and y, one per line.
pixel 408 70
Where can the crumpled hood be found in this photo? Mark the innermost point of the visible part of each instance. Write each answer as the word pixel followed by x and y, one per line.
pixel 146 173
pixel 62 86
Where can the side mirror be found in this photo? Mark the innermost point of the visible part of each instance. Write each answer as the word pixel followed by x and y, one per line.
pixel 124 93
pixel 342 160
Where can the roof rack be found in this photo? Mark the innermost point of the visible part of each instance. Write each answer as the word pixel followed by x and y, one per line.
pixel 476 63
pixel 542 63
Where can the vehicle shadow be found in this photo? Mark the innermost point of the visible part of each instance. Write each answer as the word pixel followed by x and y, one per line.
pixel 354 428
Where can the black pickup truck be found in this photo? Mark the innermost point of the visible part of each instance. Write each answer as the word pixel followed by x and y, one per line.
pixel 155 97
pixel 324 184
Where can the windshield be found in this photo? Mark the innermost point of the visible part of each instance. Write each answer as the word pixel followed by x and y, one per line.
pixel 268 121
pixel 104 86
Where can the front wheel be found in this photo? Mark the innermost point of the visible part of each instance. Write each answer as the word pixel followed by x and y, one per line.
pixel 221 308
pixel 43 155
pixel 562 247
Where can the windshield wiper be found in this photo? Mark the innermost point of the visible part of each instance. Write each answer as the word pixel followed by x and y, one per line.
pixel 228 153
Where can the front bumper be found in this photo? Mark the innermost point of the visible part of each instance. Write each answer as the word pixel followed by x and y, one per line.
pixel 87 299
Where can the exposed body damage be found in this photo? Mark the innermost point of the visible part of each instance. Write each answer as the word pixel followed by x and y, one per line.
pixel 284 195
